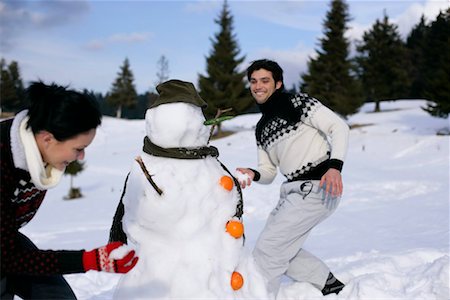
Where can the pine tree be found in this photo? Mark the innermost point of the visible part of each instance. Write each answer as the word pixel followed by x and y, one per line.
pixel 224 86
pixel 437 66
pixel 416 43
pixel 73 169
pixel 163 70
pixel 383 62
pixel 123 93
pixel 330 75
pixel 11 87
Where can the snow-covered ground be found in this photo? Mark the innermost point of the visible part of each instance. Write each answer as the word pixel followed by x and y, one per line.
pixel 389 239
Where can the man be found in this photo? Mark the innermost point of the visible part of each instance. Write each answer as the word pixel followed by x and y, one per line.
pixel 292 135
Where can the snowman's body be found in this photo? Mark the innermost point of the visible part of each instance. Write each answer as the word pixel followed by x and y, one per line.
pixel 180 237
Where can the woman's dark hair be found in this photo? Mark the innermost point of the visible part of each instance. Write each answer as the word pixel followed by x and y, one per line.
pixel 269 65
pixel 64 113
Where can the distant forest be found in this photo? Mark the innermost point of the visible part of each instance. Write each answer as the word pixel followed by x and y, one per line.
pixel 384 67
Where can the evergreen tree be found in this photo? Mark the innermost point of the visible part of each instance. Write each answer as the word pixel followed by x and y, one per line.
pixel 292 90
pixel 330 76
pixel 73 169
pixel 151 98
pixel 383 62
pixel 437 66
pixel 123 93
pixel 416 43
pixel 224 86
pixel 163 70
pixel 11 87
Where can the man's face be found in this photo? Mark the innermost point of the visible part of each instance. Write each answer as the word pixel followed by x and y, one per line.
pixel 262 85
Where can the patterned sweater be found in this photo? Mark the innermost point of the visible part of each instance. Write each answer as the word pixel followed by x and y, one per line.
pixel 300 136
pixel 19 202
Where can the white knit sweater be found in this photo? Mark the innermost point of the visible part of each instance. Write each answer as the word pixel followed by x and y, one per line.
pixel 297 148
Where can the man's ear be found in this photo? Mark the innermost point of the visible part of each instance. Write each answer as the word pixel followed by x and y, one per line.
pixel 278 85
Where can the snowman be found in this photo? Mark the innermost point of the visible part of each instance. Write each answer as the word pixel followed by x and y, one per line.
pixel 181 210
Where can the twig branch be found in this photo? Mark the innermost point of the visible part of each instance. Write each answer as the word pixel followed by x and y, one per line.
pixel 218 114
pixel 149 177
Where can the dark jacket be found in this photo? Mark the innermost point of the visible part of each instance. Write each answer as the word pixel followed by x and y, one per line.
pixel 19 202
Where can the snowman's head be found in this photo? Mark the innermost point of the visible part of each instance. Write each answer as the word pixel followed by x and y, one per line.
pixel 176 124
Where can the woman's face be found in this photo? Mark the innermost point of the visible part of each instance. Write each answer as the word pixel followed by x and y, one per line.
pixel 60 154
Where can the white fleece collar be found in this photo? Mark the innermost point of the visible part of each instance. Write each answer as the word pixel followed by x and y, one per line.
pixel 18 153
pixel 26 155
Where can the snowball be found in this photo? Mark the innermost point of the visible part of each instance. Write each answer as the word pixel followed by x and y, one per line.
pixel 241 177
pixel 120 252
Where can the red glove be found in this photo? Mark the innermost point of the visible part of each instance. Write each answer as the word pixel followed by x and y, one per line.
pixel 98 259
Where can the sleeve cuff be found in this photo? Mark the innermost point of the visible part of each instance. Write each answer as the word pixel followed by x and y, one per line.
pixel 257 175
pixel 336 164
pixel 71 261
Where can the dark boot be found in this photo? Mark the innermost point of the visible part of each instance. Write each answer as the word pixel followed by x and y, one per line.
pixel 332 285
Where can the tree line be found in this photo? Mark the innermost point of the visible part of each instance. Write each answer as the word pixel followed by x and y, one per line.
pixel 383 67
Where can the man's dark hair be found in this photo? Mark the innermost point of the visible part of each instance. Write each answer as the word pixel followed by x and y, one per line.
pixel 269 65
pixel 64 113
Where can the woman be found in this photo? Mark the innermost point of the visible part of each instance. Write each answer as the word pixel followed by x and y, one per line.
pixel 36 146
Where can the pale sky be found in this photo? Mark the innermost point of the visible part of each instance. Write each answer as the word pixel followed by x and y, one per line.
pixel 83 43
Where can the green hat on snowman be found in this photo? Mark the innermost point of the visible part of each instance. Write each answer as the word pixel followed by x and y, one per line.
pixel 175 90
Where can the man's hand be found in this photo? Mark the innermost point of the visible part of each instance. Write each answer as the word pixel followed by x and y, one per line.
pixel 99 259
pixel 333 181
pixel 246 178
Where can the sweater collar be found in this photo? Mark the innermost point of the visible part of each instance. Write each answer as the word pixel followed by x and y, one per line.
pixel 272 104
pixel 17 150
pixel 279 104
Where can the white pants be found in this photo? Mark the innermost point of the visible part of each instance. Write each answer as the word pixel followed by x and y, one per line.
pixel 278 251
